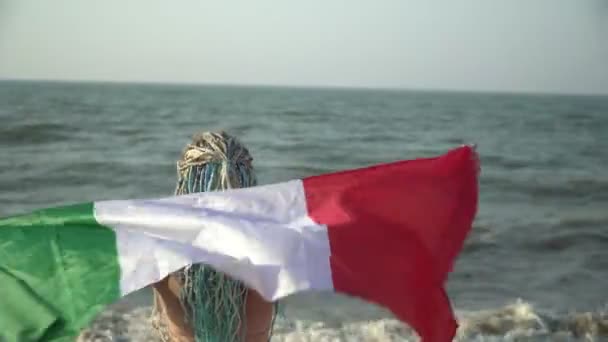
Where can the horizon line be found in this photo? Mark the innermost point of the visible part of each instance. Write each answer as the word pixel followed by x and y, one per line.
pixel 304 87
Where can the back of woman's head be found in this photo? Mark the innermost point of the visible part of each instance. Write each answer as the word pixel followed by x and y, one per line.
pixel 214 161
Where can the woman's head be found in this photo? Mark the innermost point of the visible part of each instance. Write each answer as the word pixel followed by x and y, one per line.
pixel 214 161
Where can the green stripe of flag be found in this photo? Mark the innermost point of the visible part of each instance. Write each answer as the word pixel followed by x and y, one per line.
pixel 58 268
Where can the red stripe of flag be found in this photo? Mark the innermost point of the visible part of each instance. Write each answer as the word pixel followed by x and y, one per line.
pixel 395 231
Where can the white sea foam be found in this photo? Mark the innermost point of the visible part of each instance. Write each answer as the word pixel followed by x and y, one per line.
pixel 518 321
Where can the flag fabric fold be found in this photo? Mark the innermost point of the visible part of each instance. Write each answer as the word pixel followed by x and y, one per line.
pixel 388 234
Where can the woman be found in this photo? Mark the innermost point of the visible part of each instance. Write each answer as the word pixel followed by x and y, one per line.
pixel 197 304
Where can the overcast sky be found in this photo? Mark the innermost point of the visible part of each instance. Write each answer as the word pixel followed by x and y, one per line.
pixel 489 45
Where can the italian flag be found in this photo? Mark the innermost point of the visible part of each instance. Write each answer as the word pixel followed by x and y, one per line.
pixel 388 234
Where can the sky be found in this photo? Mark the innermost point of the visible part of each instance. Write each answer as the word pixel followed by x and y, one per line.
pixel 549 46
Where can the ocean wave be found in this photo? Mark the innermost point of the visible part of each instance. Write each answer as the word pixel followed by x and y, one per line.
pixel 560 242
pixel 543 187
pixel 567 233
pixel 35 133
pixel 518 321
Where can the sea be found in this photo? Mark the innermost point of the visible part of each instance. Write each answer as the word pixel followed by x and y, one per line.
pixel 534 268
